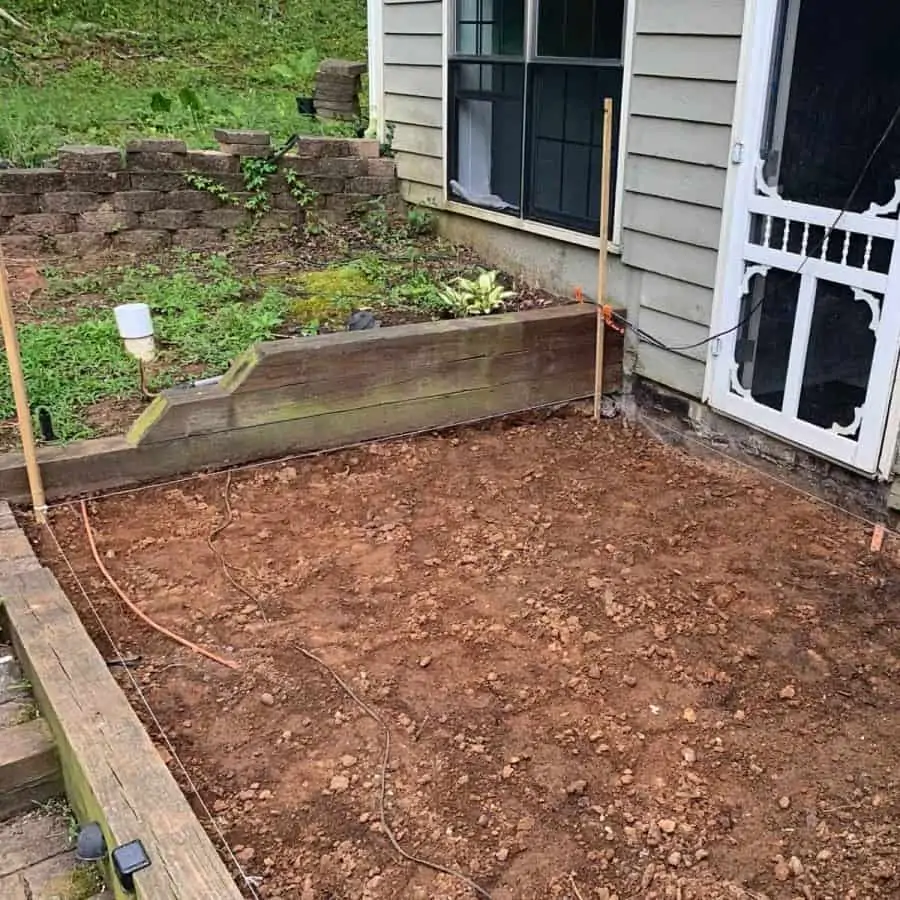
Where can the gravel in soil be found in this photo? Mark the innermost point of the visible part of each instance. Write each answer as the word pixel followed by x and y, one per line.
pixel 610 670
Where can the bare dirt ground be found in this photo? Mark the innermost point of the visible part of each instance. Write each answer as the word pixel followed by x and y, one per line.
pixel 610 670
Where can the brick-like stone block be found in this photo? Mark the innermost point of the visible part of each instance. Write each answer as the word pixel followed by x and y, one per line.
pixel 212 162
pixel 348 203
pixel 301 165
pixel 18 204
pixel 369 184
pixel 137 201
pixel 157 181
pixel 197 238
pixel 80 158
pixel 342 67
pixel 168 219
pixel 279 219
pixel 96 182
pixel 142 241
pixel 224 218
pixel 323 146
pixel 30 181
pixel 242 136
pixel 81 243
pixel 381 167
pixel 242 150
pixel 107 221
pixel 156 145
pixel 21 246
pixel 156 162
pixel 326 185
pixel 72 202
pixel 365 148
pixel 42 224
pixel 350 167
pixel 284 201
pixel 191 200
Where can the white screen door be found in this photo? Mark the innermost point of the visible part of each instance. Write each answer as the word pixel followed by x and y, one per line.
pixel 814 294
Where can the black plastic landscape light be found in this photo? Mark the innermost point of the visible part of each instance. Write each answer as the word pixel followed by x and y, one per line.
pixel 127 860
pixel 306 106
pixel 90 845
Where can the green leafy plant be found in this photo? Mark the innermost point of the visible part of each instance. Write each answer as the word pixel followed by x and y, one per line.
pixel 420 222
pixel 218 190
pixel 386 148
pixel 480 296
pixel 256 172
pixel 306 198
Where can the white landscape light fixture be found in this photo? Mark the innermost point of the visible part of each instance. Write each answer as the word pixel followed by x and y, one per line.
pixel 136 329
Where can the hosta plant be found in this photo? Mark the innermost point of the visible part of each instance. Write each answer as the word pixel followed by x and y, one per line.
pixel 479 296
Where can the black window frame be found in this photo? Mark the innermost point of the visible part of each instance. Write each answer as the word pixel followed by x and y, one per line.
pixel 609 75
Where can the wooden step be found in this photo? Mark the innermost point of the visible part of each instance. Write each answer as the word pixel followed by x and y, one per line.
pixel 29 768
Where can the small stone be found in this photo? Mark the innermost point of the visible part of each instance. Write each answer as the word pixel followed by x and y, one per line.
pixel 507 772
pixel 267 699
pixel 795 866
pixel 502 854
pixel 627 779
pixel 782 870
pixel 348 761
pixel 689 715
pixel 339 784
pixel 667 826
pixel 701 854
pixel 689 755
pixel 784 802
pixel 740 715
pixel 630 680
pixel 245 854
pixel 788 693
pixel 823 856
pixel 576 788
pixel 674 859
pixel 591 637
pixel 425 662
pixel 265 795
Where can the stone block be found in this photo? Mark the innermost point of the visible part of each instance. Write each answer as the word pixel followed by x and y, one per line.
pixel 345 67
pixel 157 181
pixel 107 220
pixel 365 148
pixel 279 219
pixel 142 240
pixel 198 238
pixel 137 201
pixel 156 145
pixel 284 201
pixel 83 158
pixel 349 167
pixel 374 186
pixel 73 202
pixel 212 162
pixel 191 200
pixel 81 243
pixel 30 181
pixel 348 203
pixel 242 136
pixel 381 167
pixel 97 182
pixel 224 218
pixel 156 162
pixel 42 224
pixel 326 185
pixel 18 204
pixel 323 146
pixel 21 246
pixel 243 150
pixel 301 165
pixel 168 219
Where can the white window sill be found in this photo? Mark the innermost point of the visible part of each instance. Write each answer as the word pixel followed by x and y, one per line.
pixel 591 241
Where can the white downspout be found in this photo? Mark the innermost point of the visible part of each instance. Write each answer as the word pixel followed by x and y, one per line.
pixel 375 23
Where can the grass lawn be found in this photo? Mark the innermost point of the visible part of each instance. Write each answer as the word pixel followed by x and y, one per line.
pixel 98 71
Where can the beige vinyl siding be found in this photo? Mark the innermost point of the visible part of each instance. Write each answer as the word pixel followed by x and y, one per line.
pixel 413 93
pixel 685 66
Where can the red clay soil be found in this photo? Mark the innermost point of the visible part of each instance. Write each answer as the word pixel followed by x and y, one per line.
pixel 610 670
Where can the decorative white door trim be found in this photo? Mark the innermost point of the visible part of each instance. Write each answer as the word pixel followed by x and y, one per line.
pixel 814 247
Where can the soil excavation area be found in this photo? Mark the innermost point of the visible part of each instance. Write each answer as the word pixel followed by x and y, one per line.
pixel 609 669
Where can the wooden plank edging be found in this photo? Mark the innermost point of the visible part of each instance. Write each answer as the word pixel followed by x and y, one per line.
pixel 113 773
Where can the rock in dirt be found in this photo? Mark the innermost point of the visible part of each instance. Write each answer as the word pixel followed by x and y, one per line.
pixel 576 788
pixel 784 802
pixel 348 761
pixel 425 662
pixel 339 784
pixel 782 870
pixel 795 866
pixel 267 699
pixel 674 859
pixel 689 755
pixel 788 692
pixel 667 826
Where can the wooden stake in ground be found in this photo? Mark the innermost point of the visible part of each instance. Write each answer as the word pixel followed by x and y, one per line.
pixel 605 192
pixel 23 411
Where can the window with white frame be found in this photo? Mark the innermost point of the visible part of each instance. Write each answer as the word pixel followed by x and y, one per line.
pixel 527 83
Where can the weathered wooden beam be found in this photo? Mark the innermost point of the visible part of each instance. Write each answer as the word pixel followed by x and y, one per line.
pixel 113 773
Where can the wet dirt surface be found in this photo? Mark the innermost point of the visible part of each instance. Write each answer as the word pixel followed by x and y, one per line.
pixel 609 669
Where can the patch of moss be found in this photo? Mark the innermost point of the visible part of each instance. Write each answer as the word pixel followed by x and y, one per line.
pixel 86 882
pixel 329 295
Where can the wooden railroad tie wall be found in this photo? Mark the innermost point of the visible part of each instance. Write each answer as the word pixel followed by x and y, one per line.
pixel 318 393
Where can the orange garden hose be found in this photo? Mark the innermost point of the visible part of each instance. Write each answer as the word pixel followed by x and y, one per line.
pixel 142 615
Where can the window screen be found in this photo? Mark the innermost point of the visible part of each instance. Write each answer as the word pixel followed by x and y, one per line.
pixel 581 29
pixel 490 27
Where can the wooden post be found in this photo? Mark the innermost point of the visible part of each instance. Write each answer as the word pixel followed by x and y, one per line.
pixel 605 192
pixel 23 410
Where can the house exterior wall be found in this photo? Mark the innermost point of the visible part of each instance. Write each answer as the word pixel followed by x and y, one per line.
pixel 683 90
